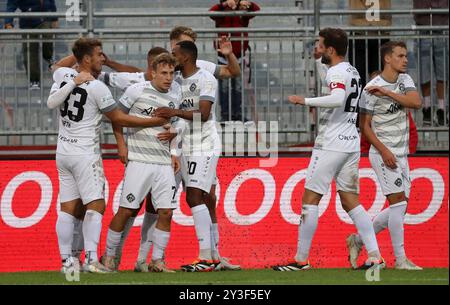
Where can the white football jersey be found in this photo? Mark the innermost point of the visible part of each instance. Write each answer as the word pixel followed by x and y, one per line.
pixel 201 137
pixel 211 67
pixel 337 126
pixel 142 100
pixel 81 114
pixel 121 80
pixel 390 121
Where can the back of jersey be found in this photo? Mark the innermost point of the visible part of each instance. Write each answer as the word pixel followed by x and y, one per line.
pixel 81 114
pixel 337 126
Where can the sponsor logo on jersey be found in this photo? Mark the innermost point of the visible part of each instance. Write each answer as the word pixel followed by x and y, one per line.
pixel 347 138
pixel 130 197
pixel 148 111
pixel 393 108
pixel 398 182
pixel 187 103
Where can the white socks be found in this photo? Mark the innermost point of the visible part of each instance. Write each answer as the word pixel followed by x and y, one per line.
pixel 426 101
pixel 392 217
pixel 64 230
pixel 365 230
pixel 160 241
pixel 125 232
pixel 147 229
pixel 215 241
pixel 78 241
pixel 112 242
pixel 202 223
pixel 92 226
pixel 307 228
pixel 395 224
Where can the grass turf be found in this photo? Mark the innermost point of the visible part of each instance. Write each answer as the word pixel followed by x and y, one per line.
pixel 246 277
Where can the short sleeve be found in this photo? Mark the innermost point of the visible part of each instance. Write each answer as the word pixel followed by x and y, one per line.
pixel 208 66
pixel 103 97
pixel 409 84
pixel 366 103
pixel 208 89
pixel 129 97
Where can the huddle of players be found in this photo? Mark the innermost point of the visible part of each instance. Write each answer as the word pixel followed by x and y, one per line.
pixel 152 100
pixel 151 153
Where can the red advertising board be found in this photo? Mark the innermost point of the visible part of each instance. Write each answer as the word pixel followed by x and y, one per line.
pixel 258 211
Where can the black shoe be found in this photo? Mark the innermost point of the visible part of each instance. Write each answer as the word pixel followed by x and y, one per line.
pixel 295 266
pixel 440 117
pixel 426 116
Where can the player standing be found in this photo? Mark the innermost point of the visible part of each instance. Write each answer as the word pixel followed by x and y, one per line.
pixel 78 155
pixel 336 152
pixel 199 160
pixel 149 168
pixel 384 122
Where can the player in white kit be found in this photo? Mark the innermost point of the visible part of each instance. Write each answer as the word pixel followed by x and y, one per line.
pixel 199 160
pixel 336 152
pixel 384 122
pixel 78 155
pixel 149 168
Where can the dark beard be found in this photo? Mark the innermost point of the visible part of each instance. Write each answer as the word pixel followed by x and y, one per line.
pixel 325 60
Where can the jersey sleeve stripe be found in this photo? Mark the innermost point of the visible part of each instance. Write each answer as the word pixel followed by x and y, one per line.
pixel 109 108
pixel 207 98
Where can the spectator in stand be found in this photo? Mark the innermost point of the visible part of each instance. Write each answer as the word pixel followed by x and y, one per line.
pixel 31 50
pixel 357 47
pixel 239 50
pixel 413 136
pixel 435 62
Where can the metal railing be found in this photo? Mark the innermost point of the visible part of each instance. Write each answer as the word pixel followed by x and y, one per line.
pixel 281 64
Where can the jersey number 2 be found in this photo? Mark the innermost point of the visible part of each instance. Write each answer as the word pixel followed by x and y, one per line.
pixel 79 97
pixel 354 95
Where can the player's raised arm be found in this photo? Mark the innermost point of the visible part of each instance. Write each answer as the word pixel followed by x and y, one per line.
pixel 66 62
pixel 334 100
pixel 411 99
pixel 232 69
pixel 116 66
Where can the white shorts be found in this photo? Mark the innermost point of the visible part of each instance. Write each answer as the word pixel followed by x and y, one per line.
pixel 392 181
pixel 199 171
pixel 326 165
pixel 80 177
pixel 143 178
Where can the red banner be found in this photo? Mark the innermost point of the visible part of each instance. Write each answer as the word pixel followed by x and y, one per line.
pixel 258 212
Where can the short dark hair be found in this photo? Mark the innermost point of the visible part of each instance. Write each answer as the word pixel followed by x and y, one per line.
pixel 189 48
pixel 335 38
pixel 85 46
pixel 388 48
pixel 164 58
pixel 156 51
pixel 182 30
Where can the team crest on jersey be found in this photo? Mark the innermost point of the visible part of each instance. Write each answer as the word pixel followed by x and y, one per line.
pixel 401 87
pixel 172 105
pixel 398 182
pixel 130 197
pixel 193 87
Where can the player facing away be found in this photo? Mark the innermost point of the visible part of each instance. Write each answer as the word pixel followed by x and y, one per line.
pixel 150 167
pixel 384 122
pixel 336 152
pixel 82 100
pixel 199 140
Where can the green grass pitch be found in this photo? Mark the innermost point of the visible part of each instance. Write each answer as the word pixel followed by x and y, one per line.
pixel 246 277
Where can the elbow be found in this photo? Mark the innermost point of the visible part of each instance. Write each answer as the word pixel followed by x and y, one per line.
pixel 50 104
pixel 236 73
pixel 417 104
pixel 204 118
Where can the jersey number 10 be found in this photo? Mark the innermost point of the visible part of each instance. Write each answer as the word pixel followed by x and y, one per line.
pixel 78 99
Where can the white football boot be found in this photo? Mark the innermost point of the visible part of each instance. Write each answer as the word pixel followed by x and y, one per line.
pixel 354 249
pixel 406 264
